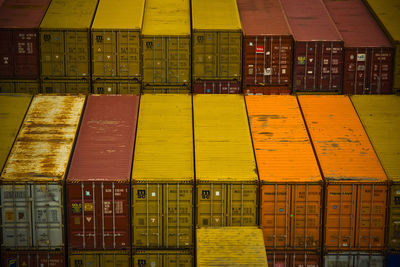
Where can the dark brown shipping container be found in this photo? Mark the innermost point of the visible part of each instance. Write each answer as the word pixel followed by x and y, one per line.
pixel 19 38
pixel 216 87
pixel 278 258
pixel 98 183
pixel 267 47
pixel 368 53
pixel 318 49
pixel 33 258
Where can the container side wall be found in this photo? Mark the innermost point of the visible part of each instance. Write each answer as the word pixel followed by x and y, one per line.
pixel 33 258
pixel 242 205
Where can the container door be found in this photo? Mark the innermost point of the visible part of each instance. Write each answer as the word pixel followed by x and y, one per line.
pixel 6 54
pixel 211 201
pixel 52 54
pixel 114 260
pixel 230 52
pixel 128 54
pixel 370 260
pixel 27 87
pixel 242 205
pixel 84 259
pixel 380 71
pixel 178 60
pixel 53 86
pixel 153 260
pixel 100 87
pixel 178 260
pixel 147 215
pixel 104 54
pixel 329 67
pixel 154 60
pixel 129 88
pixel 394 217
pixel 26 54
pixel 396 72
pixel 7 86
pixel 77 54
pixel 77 87
pixel 205 52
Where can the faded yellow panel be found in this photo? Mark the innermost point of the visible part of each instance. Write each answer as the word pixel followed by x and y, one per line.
pixel 20 86
pixel 97 258
pixel 161 258
pixel 116 87
pixel 65 86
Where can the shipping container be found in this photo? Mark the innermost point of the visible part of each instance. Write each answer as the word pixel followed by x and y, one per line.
pixel 380 116
pixel 166 90
pixel 226 173
pixel 216 41
pixel 65 39
pixel 32 179
pixel 98 181
pixel 279 258
pixel 161 258
pixel 12 112
pixel 230 246
pixel 291 183
pixel 267 47
pixel 116 87
pixel 99 258
pixel 70 86
pixel 166 40
pixel 387 14
pixel 356 185
pixel 162 174
pixel 20 86
pixel 368 54
pixel 19 38
pixel 392 259
pixel 216 87
pixel 318 47
pixel 116 39
pixel 33 258
pixel 354 259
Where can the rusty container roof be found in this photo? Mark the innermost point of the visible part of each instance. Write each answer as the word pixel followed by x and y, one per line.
pixel 42 149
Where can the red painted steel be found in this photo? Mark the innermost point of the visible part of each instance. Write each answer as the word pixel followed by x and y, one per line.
pixel 267 46
pixel 98 191
pixel 216 87
pixel 33 258
pixel 368 53
pixel 318 51
pixel 293 258
pixel 19 38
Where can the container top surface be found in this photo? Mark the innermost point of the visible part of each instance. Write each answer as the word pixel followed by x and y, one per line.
pixel 380 115
pixel 126 14
pixel 263 17
pixel 310 21
pixel 164 141
pixel 230 246
pixel 43 146
pixel 69 14
pixel 215 15
pixel 357 26
pixel 223 148
pixel 104 148
pixel 280 139
pixel 26 14
pixel 167 17
pixel 344 152
pixel 388 13
pixel 12 112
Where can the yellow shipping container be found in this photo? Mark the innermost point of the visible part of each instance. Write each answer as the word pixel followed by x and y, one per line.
pixel 20 86
pixel 65 86
pixel 217 40
pixel 99 258
pixel 115 39
pixel 163 173
pixel 230 246
pixel 116 87
pixel 380 116
pixel 166 43
pixel 226 174
pixel 65 39
pixel 161 258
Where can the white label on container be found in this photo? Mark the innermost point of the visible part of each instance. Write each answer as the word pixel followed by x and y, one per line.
pixel 217 193
pixel 398 192
pixel 268 53
pixel 267 71
pixel 283 71
pixel 309 72
pixel 153 194
pixel 109 89
pixel 361 57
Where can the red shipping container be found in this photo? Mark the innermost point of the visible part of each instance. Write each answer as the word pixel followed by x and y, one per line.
pixel 33 258
pixel 318 49
pixel 368 53
pixel 19 38
pixel 267 47
pixel 217 87
pixel 98 183
pixel 293 258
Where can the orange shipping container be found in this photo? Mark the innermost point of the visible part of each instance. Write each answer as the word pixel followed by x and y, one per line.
pixel 291 183
pixel 356 184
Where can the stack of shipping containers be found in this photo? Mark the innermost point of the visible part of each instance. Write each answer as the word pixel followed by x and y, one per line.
pixel 162 182
pixel 216 47
pixel 32 182
pixel 356 185
pixel 65 46
pixel 291 183
pixel 380 116
pixel 267 47
pixel 226 173
pixel 166 40
pixel 387 14
pixel 368 54
pixel 98 183
pixel 19 45
pixel 318 47
pixel 116 64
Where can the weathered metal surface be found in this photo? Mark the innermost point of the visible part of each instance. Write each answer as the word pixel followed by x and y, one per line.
pixel 33 258
pixel 65 86
pixel 20 86
pixel 116 86
pixel 99 258
pixel 161 258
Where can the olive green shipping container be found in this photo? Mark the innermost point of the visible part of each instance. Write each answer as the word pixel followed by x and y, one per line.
pixel 99 258
pixel 116 87
pixel 380 116
pixel 161 258
pixel 166 43
pixel 20 86
pixel 217 40
pixel 65 86
pixel 115 39
pixel 166 90
pixel 65 39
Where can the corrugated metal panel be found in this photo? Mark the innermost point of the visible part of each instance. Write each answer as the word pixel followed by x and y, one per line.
pixel 354 259
pixel 81 86
pixel 116 87
pixel 230 246
pixel 20 86
pixel 109 258
pixel 33 258
pixel 161 258
pixel 12 113
pixel 277 258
